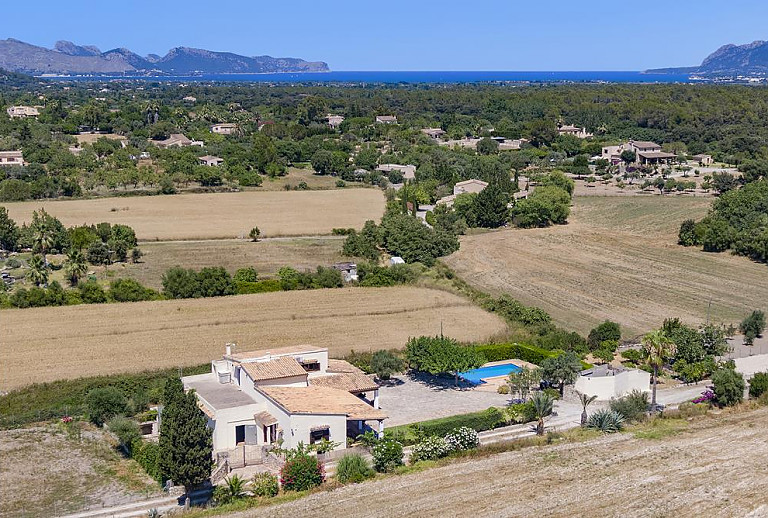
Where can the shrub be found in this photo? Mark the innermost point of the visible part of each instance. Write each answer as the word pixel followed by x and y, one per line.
pixel 254 234
pixel 387 455
pixel 478 421
pixel 606 331
pixel 129 290
pixel 552 392
pixel 233 490
pixel 301 472
pixel 91 292
pixel 503 389
pixel 126 430
pixel 632 355
pixel 633 406
pixel 607 421
pixel 147 454
pixel 248 274
pixel 729 386
pixel 521 412
pixel 528 353
pixel 430 447
pixel 385 363
pixel 265 484
pixel 353 468
pixel 462 439
pixel 265 286
pixel 758 385
pixel 104 404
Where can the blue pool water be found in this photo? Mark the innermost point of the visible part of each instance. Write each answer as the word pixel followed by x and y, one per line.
pixel 475 376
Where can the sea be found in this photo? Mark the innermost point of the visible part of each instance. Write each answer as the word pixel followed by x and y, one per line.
pixel 410 77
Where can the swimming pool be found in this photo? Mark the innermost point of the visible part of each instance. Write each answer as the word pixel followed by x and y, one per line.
pixel 475 376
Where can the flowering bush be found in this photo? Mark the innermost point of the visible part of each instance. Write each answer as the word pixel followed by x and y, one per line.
pixel 430 448
pixel 264 484
pixel 301 472
pixel 463 438
pixel 705 397
pixel 66 419
pixel 387 455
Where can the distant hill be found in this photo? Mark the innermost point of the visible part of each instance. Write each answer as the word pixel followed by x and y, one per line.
pixel 729 60
pixel 69 58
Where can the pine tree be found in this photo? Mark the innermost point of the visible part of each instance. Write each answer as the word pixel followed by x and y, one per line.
pixel 491 207
pixel 186 443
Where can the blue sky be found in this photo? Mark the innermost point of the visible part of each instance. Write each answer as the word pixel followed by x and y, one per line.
pixel 408 35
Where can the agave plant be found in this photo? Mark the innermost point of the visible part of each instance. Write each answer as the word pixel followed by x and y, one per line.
pixel 607 421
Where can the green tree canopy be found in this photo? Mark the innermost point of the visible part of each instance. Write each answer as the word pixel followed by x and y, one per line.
pixel 440 355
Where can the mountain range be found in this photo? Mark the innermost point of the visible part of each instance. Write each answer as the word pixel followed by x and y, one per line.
pixel 68 58
pixel 729 60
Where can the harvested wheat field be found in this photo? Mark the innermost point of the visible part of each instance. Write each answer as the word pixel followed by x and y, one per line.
pixel 45 344
pixel 219 215
pixel 712 467
pixel 267 256
pixel 617 259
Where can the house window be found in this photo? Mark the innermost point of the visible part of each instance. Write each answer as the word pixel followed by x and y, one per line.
pixel 311 365
pixel 318 434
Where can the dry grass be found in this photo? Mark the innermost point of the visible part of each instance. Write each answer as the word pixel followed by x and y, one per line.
pixel 716 467
pixel 219 215
pixel 266 256
pixel 295 177
pixel 617 259
pixel 45 344
pixel 47 473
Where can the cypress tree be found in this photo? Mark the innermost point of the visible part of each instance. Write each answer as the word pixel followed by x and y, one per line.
pixel 186 443
pixel 491 207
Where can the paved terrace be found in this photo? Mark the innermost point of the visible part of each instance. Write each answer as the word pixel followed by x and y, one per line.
pixel 218 395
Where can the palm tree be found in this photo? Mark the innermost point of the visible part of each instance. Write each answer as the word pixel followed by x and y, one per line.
pixel 542 407
pixel 76 266
pixel 43 239
pixel 38 270
pixel 585 402
pixel 657 348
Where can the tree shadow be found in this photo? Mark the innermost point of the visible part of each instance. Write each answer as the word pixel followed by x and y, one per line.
pixel 438 382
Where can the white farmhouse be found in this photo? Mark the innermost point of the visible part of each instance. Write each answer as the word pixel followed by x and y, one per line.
pixel 286 395
pixel 607 382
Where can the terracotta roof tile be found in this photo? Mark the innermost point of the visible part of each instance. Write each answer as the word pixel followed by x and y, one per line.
pixel 274 369
pixel 321 400
pixel 350 381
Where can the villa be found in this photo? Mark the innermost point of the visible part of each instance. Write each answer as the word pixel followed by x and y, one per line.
pixel 284 396
pixel 646 153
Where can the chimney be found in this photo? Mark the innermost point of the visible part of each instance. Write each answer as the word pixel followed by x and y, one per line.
pixel 228 349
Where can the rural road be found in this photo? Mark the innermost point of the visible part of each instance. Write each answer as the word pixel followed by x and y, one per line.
pixel 330 237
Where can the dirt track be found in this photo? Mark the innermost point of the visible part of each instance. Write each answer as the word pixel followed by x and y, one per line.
pixel 715 468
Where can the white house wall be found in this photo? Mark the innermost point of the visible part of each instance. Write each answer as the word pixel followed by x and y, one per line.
pixel 301 424
pixel 226 421
pixel 607 387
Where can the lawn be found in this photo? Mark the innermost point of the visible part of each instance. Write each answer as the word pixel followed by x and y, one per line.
pixel 616 259
pixel 218 215
pixel 45 344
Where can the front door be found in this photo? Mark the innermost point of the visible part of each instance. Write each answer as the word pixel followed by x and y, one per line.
pixel 239 434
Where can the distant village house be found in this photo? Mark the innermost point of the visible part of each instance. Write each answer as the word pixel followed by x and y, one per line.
pixel 11 158
pixel 177 140
pixel 15 112
pixel 212 161
pixel 386 119
pixel 225 128
pixel 409 171
pixel 467 186
pixel 573 130
pixel 334 121
pixel 433 133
